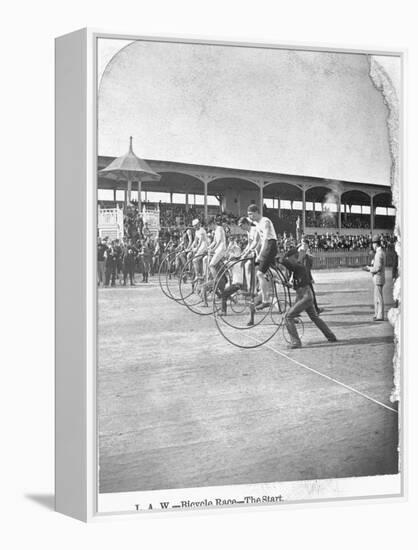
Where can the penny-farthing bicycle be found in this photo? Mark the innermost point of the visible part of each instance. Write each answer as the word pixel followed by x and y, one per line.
pixel 196 287
pixel 233 298
pixel 237 309
pixel 174 269
pixel 164 273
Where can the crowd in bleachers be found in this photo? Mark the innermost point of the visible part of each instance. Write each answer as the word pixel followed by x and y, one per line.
pixel 328 219
pixel 335 241
pixel 173 219
pixel 173 216
pixel 141 251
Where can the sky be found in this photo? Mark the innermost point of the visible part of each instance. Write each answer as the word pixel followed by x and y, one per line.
pixel 294 112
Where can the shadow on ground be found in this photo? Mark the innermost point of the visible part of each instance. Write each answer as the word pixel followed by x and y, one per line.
pixel 351 342
pixel 47 501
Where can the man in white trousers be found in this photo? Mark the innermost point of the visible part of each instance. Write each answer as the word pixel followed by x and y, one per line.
pixel 377 269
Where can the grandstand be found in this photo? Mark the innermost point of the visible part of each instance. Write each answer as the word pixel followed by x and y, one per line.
pixel 315 205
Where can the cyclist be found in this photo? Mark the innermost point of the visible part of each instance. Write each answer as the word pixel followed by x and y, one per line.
pixel 267 252
pixel 237 275
pixel 253 246
pixel 217 248
pixel 199 247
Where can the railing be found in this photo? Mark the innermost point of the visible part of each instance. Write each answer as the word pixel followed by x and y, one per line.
pixel 349 258
pixel 310 231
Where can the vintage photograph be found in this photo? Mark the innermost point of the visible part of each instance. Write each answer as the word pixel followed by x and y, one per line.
pixel 248 280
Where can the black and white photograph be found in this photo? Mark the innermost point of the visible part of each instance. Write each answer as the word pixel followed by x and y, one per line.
pixel 248 274
pixel 208 287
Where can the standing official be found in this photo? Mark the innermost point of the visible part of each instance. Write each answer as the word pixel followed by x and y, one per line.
pixel 377 269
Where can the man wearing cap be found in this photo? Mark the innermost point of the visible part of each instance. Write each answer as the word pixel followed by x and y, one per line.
pixel 268 250
pixel 304 301
pixel 377 269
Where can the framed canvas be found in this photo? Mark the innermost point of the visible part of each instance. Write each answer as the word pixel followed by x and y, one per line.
pixel 228 274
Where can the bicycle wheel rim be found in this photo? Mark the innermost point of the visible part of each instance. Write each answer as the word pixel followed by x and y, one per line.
pixel 193 296
pixel 242 337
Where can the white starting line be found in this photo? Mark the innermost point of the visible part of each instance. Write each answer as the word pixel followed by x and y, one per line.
pixel 330 378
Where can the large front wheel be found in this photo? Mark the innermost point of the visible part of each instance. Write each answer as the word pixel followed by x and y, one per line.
pixel 195 285
pixel 163 273
pixel 237 307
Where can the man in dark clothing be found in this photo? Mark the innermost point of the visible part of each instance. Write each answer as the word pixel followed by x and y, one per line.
pixel 146 254
pixel 156 257
pixel 117 248
pixel 128 262
pixel 304 301
pixel 111 261
pixel 305 258
pixel 101 273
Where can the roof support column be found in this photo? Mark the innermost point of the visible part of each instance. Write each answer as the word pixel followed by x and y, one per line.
pixel 371 214
pixel 205 179
pixel 205 187
pixel 339 212
pixel 303 210
pixel 129 186
pixel 261 198
pixel 139 196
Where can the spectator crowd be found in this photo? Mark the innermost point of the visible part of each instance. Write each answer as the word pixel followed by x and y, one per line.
pixel 175 216
pixel 140 251
pixel 335 241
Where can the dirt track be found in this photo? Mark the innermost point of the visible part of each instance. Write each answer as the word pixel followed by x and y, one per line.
pixel 181 407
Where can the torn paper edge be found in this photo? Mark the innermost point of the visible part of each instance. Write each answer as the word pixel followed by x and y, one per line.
pixel 385 86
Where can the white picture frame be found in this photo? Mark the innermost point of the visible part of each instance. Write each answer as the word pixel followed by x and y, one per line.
pixel 77 464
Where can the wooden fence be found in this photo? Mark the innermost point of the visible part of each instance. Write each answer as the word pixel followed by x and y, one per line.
pixel 353 258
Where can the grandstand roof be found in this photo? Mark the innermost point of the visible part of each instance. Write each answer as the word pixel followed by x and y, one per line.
pixel 187 178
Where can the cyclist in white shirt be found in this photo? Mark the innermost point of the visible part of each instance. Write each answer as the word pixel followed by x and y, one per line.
pixel 253 246
pixel 267 253
pixel 200 246
pixel 236 280
pixel 217 248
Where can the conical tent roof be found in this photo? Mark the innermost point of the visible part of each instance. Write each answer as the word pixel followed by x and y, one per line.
pixel 130 167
